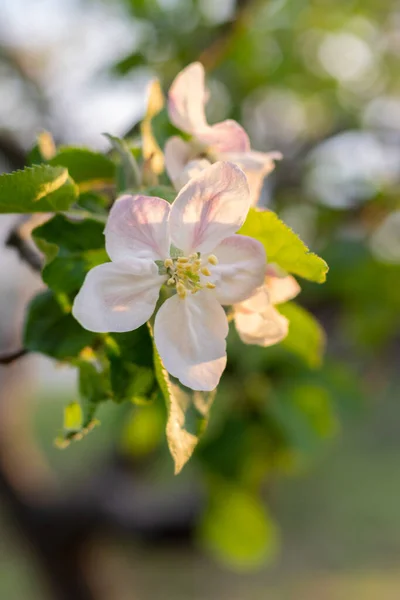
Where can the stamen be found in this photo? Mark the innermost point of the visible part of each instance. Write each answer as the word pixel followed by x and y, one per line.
pixel 210 286
pixel 183 259
pixel 212 259
pixel 206 271
pixel 168 263
pixel 171 281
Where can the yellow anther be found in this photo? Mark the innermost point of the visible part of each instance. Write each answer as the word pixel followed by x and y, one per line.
pixel 210 286
pixel 212 259
pixel 206 271
pixel 181 290
pixel 193 256
pixel 168 263
pixel 197 262
pixel 183 259
pixel 171 281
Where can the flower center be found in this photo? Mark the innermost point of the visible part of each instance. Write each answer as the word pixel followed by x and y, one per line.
pixel 187 273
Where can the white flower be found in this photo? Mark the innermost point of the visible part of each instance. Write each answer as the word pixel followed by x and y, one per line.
pixel 256 319
pixel 223 141
pixel 191 246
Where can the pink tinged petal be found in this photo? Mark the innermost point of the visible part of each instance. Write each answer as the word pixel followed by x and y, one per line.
pixel 190 336
pixel 177 154
pixel 227 136
pixel 192 170
pixel 138 228
pixel 256 165
pixel 240 269
pixel 186 99
pixel 179 162
pixel 118 297
pixel 211 207
pixel 282 289
pixel 258 322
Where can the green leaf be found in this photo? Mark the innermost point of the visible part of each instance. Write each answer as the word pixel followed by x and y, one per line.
pixel 50 330
pixel 94 203
pixel 71 248
pixel 128 174
pixel 131 365
pixel 306 338
pixel 283 246
pixel 188 412
pixel 41 188
pixel 237 529
pixel 84 165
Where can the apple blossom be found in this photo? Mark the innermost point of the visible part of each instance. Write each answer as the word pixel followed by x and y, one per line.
pixel 257 320
pixel 223 141
pixel 191 247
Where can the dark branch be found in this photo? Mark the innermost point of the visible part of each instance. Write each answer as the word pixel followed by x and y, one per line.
pixel 24 249
pixel 6 359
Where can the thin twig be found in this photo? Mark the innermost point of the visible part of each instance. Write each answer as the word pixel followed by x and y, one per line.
pixel 7 359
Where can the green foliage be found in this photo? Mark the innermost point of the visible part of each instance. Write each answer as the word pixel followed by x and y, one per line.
pixel 84 165
pixel 161 191
pixel 41 188
pixel 52 330
pixel 71 248
pixel 306 336
pixel 237 528
pixel 94 387
pixel 303 415
pixel 283 246
pixel 131 365
pixel 128 174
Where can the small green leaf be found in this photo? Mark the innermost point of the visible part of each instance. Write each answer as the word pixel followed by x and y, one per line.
pixel 41 188
pixel 188 413
pixel 283 246
pixel 84 165
pixel 306 338
pixel 71 248
pixel 237 529
pixel 50 330
pixel 128 174
pixel 94 388
pixel 73 417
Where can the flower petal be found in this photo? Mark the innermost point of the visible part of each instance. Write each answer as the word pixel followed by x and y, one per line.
pixel 118 296
pixel 187 98
pixel 177 154
pixel 138 228
pixel 240 269
pixel 258 322
pixel 209 208
pixel 190 336
pixel 180 162
pixel 281 289
pixel 227 136
pixel 256 165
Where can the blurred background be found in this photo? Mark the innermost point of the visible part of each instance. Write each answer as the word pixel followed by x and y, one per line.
pixel 294 491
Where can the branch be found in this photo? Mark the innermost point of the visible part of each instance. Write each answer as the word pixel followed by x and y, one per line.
pixel 6 359
pixel 24 249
